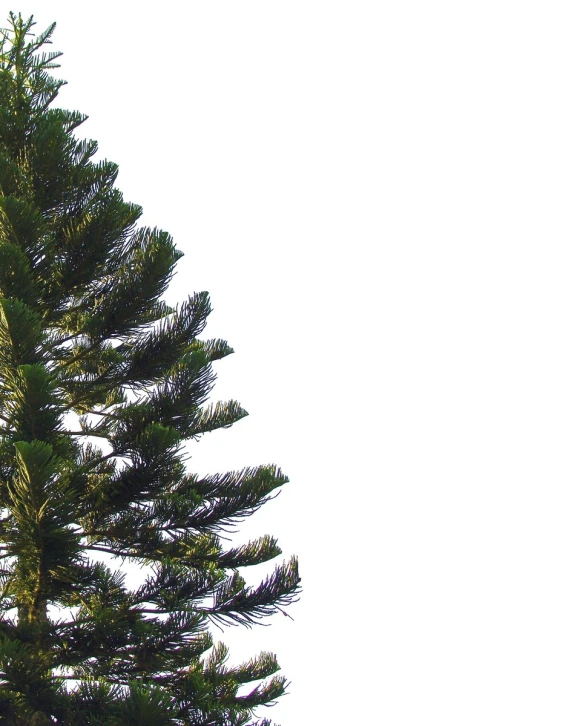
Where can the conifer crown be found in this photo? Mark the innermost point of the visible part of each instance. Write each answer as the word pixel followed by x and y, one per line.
pixel 85 337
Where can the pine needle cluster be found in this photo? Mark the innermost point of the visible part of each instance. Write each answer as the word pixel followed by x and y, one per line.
pixel 101 386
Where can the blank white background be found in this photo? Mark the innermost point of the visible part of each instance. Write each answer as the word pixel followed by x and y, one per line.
pixel 372 194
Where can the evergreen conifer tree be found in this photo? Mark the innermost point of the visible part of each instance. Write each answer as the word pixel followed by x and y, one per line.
pixel 85 337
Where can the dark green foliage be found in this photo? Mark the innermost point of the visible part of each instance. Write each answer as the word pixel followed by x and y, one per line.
pixel 101 385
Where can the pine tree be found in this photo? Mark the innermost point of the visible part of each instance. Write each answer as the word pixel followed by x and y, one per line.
pixel 101 386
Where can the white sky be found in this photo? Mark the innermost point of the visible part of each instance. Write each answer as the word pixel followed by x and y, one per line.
pixel 371 192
